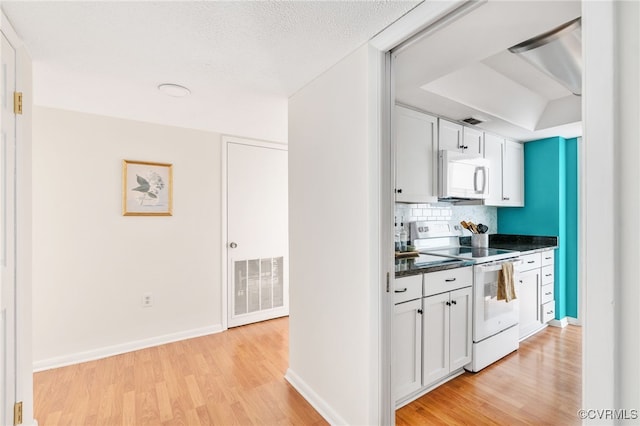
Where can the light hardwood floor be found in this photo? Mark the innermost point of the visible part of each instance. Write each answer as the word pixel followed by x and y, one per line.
pixel 539 384
pixel 229 378
pixel 236 378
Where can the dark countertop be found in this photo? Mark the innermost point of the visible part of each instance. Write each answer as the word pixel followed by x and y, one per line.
pixel 414 265
pixel 522 243
pixel 525 244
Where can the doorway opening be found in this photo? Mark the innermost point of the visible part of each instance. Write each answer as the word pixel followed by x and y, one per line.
pixel 438 74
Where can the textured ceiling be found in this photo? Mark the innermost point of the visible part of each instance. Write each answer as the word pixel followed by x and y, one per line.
pixel 239 58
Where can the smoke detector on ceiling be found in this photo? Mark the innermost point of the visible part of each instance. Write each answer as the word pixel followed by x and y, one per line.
pixel 175 90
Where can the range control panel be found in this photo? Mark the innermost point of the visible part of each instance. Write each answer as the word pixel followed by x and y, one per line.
pixel 426 229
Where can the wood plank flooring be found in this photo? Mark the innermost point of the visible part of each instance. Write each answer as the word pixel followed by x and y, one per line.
pixel 236 378
pixel 539 384
pixel 230 378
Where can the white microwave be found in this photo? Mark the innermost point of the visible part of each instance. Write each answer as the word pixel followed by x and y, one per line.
pixel 461 176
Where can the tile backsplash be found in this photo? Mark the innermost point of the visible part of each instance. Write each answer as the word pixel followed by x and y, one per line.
pixel 447 212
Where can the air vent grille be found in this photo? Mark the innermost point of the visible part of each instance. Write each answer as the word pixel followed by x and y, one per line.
pixel 473 121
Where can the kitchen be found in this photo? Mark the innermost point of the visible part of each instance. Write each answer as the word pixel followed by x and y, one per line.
pixel 492 140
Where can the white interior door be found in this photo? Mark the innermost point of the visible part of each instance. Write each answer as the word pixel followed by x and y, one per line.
pixel 257 231
pixel 7 234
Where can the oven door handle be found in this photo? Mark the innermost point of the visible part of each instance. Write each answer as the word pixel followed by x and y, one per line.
pixel 493 267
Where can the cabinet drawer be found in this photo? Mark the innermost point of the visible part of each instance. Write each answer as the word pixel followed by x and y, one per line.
pixel 547 293
pixel 547 258
pixel 547 274
pixel 548 311
pixel 447 280
pixel 530 261
pixel 407 288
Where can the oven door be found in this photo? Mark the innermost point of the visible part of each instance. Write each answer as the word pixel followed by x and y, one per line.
pixel 491 315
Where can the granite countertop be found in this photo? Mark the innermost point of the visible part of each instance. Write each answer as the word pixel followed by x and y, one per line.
pixel 414 265
pixel 525 244
pixel 522 243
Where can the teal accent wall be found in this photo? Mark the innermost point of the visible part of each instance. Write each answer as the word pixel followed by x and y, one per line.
pixel 551 208
pixel 571 278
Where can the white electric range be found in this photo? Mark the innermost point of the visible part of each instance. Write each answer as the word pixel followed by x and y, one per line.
pixel 495 322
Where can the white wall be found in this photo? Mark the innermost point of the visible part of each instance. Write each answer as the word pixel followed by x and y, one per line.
pixel 91 265
pixel 610 201
pixel 628 159
pixel 333 356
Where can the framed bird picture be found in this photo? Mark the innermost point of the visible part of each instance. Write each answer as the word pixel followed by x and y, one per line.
pixel 147 188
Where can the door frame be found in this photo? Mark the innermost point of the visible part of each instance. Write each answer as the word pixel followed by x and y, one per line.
pixel 224 240
pixel 23 227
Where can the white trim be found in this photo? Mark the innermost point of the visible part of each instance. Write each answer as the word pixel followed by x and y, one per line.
pixel 9 32
pixel 574 321
pixel 384 256
pixel 413 23
pixel 599 264
pixel 562 323
pixel 320 405
pixel 223 233
pixel 108 351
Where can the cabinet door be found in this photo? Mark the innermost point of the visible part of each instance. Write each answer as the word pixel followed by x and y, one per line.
pixel 460 315
pixel 493 154
pixel 435 332
pixel 513 174
pixel 416 156
pixel 473 140
pixel 528 293
pixel 407 348
pixel 449 136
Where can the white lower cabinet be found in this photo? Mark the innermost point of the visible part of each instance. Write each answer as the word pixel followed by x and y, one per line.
pixel 446 334
pixel 535 290
pixel 431 334
pixel 407 348
pixel 527 291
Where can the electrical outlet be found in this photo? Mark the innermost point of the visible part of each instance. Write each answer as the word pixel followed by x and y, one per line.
pixel 147 300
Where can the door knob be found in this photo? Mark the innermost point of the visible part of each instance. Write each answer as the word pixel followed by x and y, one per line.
pixel 233 245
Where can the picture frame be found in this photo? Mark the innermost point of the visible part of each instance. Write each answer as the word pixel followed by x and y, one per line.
pixel 147 188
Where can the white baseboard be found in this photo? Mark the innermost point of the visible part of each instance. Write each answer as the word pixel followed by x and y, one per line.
pixel 562 323
pixel 76 358
pixel 314 399
pixel 574 321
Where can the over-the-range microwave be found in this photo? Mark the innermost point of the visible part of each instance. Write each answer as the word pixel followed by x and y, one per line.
pixel 462 176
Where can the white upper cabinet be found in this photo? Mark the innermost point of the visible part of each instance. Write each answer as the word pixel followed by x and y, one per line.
pixel 513 174
pixel 450 136
pixel 506 171
pixel 416 156
pixel 456 137
pixel 473 141
pixel 493 154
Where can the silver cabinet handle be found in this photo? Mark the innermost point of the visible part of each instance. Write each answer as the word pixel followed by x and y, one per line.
pixel 548 294
pixel 401 290
pixel 233 245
